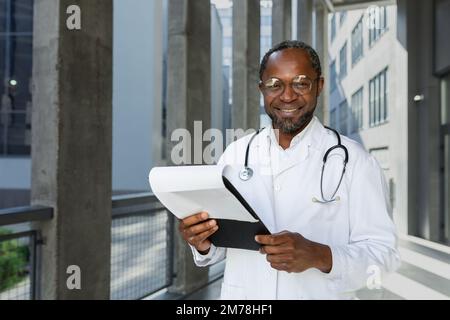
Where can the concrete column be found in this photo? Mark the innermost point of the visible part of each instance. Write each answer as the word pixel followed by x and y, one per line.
pixel 188 100
pixel 304 20
pixel 281 21
pixel 321 46
pixel 415 31
pixel 71 145
pixel 246 58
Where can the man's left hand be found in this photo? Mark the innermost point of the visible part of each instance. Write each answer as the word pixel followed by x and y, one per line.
pixel 291 252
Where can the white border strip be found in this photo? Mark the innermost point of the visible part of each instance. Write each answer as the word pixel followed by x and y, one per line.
pixel 410 289
pixel 424 262
pixel 426 243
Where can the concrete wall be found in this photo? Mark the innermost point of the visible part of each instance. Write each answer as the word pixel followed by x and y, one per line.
pixel 72 145
pixel 137 92
pixel 424 172
pixel 216 70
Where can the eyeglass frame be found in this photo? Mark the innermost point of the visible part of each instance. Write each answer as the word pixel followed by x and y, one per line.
pixel 263 87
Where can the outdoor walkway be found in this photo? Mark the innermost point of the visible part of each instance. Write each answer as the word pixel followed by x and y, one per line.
pixel 424 274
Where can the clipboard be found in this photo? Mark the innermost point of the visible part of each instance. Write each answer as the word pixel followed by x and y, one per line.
pixel 238 234
pixel 187 190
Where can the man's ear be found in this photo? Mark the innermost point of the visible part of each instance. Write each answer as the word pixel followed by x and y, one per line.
pixel 320 85
pixel 260 86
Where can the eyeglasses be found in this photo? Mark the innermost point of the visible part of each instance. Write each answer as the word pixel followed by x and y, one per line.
pixel 301 85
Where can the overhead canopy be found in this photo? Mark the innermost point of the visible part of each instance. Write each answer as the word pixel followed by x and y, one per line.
pixel 339 5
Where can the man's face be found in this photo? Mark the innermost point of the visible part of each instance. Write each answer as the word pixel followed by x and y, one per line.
pixel 289 110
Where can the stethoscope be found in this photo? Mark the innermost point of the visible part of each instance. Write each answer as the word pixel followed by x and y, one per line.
pixel 247 173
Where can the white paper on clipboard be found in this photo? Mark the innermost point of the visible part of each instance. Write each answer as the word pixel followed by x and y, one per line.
pixel 187 190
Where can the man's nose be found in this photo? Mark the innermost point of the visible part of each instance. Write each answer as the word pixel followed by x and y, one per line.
pixel 288 94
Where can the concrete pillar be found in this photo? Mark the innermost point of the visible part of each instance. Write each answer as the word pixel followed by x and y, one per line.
pixel 281 21
pixel 246 58
pixel 321 46
pixel 415 31
pixel 304 21
pixel 188 100
pixel 71 145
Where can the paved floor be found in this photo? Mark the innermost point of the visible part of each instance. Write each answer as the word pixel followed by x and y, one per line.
pixel 424 274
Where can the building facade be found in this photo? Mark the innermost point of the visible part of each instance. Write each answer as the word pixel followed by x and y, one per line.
pixel 366 87
pixel 375 99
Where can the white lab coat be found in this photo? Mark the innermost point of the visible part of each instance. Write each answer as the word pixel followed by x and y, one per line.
pixel 357 228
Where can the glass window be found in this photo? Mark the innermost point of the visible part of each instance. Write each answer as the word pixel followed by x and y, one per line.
pixel 16 20
pixel 445 156
pixel 357 42
pixel 371 102
pixel 333 76
pixel 357 111
pixel 343 106
pixel 377 23
pixel 378 99
pixel 19 13
pixel 333 118
pixel 333 27
pixel 342 17
pixel 343 61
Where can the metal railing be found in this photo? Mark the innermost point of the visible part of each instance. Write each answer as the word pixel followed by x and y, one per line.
pixel 142 247
pixel 21 248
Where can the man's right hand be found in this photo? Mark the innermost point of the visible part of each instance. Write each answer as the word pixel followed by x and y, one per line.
pixel 195 230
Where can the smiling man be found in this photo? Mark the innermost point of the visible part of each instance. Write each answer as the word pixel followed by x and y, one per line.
pixel 288 77
pixel 324 199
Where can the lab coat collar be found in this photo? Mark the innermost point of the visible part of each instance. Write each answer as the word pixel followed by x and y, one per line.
pixel 295 140
pixel 309 141
pixel 311 136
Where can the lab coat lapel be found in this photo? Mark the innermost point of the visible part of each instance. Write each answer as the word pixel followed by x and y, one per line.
pixel 263 180
pixel 311 139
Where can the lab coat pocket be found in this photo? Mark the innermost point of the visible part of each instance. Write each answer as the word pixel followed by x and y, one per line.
pixel 232 292
pixel 324 212
pixel 323 219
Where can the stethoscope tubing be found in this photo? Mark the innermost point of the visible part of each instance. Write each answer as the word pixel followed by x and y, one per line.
pixel 246 173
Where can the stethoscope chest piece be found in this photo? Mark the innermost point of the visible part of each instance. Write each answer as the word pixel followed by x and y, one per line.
pixel 245 174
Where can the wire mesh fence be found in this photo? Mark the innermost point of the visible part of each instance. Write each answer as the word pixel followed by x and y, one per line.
pixel 141 253
pixel 16 266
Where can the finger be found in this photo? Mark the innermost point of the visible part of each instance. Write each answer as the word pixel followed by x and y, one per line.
pixel 281 233
pixel 280 266
pixel 279 249
pixel 204 235
pixel 279 258
pixel 194 219
pixel 199 228
pixel 272 239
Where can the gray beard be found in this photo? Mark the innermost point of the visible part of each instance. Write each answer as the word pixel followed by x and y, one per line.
pixel 287 126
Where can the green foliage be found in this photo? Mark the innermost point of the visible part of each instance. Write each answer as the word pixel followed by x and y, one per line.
pixel 13 260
